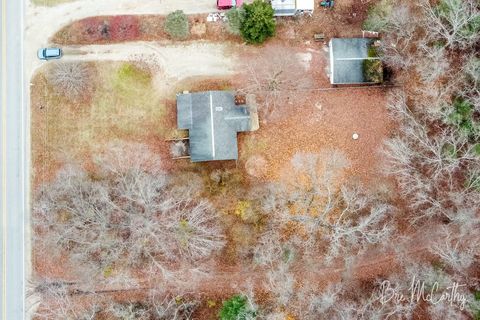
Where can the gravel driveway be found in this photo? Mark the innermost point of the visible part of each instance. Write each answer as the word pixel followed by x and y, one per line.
pixel 42 22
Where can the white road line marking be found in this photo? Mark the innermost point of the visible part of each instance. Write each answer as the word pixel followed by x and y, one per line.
pixel 238 117
pixel 25 164
pixel 331 61
pixel 4 159
pixel 213 129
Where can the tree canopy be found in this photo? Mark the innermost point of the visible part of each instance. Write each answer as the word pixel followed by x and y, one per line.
pixel 176 25
pixel 258 23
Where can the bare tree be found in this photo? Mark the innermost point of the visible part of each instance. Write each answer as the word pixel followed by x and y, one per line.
pixel 454 21
pixel 74 80
pixel 426 165
pixel 58 300
pixel 437 64
pixel 269 248
pixel 459 252
pixel 471 86
pixel 276 77
pixel 172 308
pixel 54 301
pixel 325 212
pixel 399 34
pixel 129 311
pixel 321 303
pixel 124 215
pixel 281 283
pixel 159 305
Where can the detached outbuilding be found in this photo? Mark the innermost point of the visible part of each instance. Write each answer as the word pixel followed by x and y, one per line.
pixel 354 61
pixel 213 119
pixel 292 7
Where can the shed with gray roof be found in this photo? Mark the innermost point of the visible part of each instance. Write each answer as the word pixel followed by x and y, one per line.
pixel 346 60
pixel 213 120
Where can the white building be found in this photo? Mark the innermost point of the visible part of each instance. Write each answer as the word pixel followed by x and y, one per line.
pixel 292 7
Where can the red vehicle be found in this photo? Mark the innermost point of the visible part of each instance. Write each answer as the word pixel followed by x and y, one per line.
pixel 227 4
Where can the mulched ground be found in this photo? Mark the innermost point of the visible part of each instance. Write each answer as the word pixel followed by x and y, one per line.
pixel 309 129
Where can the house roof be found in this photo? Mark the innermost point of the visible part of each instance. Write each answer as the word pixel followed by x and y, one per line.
pixel 346 60
pixel 213 121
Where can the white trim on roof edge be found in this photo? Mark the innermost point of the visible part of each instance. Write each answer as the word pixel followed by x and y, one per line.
pixel 213 129
pixel 330 46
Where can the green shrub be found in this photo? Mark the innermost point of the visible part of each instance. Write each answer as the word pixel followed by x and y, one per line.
pixel 475 305
pixel 258 23
pixel 476 149
pixel 177 26
pixel 373 68
pixel 235 16
pixel 449 150
pixel 236 308
pixel 473 182
pixel 462 117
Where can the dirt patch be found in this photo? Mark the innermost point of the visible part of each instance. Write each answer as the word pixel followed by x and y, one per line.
pixel 169 63
pixel 308 129
pixel 256 166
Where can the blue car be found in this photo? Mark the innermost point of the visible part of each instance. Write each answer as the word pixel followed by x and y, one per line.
pixel 49 53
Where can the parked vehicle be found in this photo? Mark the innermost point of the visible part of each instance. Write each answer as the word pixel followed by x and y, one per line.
pixel 49 53
pixel 228 4
pixel 327 3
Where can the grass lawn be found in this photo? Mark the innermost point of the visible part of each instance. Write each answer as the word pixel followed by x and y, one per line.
pixel 124 106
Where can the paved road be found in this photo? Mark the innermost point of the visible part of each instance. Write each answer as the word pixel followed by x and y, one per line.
pixel 13 160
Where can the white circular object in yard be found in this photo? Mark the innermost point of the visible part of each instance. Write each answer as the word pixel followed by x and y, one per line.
pixel 355 136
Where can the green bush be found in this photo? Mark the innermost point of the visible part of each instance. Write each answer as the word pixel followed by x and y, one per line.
pixel 462 117
pixel 235 16
pixel 177 26
pixel 373 68
pixel 476 149
pixel 236 308
pixel 475 305
pixel 258 23
pixel 473 182
pixel 449 150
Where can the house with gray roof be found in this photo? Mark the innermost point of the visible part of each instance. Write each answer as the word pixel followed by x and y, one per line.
pixel 347 58
pixel 213 120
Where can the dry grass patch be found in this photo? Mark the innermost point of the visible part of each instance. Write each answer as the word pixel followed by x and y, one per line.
pixel 124 106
